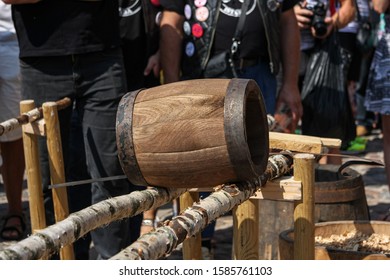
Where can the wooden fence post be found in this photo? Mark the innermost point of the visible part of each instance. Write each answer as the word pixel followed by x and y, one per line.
pixel 192 247
pixel 304 209
pixel 57 169
pixel 246 231
pixel 33 170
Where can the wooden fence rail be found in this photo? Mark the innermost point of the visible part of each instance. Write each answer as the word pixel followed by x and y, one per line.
pixel 50 240
pixel 46 242
pixel 193 220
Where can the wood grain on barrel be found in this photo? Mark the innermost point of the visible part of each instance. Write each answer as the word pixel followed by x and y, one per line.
pixel 198 133
pixel 180 126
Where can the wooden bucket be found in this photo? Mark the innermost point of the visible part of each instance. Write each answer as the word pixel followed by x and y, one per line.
pixel 337 197
pixel 193 134
pixel 326 229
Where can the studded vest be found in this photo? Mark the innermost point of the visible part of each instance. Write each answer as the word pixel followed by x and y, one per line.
pixel 198 36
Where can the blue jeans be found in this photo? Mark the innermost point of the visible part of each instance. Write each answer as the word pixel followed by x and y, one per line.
pixel 96 82
pixel 261 73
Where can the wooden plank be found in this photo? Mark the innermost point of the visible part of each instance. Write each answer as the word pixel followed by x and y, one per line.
pixel 37 127
pixel 179 136
pixel 169 170
pixel 331 142
pixel 180 107
pixel 284 188
pixel 190 87
pixel 301 143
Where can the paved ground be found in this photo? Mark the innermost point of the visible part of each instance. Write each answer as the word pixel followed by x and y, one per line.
pixel 378 200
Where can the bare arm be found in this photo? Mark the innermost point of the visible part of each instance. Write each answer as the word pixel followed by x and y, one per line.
pixel 380 6
pixel 345 15
pixel 290 42
pixel 340 19
pixel 171 45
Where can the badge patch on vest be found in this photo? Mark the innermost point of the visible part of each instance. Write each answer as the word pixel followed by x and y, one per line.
pixel 230 10
pixel 133 8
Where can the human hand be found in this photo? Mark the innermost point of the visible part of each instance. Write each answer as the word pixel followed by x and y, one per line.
pixel 289 105
pixel 303 15
pixel 153 65
pixel 20 1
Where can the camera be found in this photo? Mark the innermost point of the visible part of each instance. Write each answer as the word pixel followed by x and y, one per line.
pixel 318 19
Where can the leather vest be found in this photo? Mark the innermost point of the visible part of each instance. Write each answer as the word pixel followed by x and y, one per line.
pixel 151 14
pixel 197 51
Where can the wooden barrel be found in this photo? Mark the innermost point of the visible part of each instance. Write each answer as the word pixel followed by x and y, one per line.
pixel 337 197
pixel 327 229
pixel 197 133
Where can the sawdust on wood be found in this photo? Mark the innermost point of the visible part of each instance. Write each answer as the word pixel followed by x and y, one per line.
pixel 357 241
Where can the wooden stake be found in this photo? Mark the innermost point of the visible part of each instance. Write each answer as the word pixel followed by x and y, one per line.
pixel 304 209
pixel 246 231
pixel 57 169
pixel 33 170
pixel 192 247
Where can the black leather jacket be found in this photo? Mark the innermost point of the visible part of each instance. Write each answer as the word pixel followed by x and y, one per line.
pixel 192 66
pixel 151 28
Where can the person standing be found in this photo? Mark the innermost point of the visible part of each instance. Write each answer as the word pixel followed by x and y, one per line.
pixel 139 31
pixel 72 49
pixel 334 15
pixel 365 120
pixel 377 97
pixel 192 32
pixel 11 143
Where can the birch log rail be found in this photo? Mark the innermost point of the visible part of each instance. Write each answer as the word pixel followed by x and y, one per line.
pixel 193 220
pixel 46 242
pixel 50 240
pixel 29 116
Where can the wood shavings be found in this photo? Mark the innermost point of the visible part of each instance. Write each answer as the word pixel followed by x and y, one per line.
pixel 356 241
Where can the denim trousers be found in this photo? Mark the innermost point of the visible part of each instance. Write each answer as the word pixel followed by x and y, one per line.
pixel 96 83
pixel 267 82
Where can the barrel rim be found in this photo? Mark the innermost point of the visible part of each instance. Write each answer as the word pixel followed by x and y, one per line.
pixel 124 139
pixel 235 129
